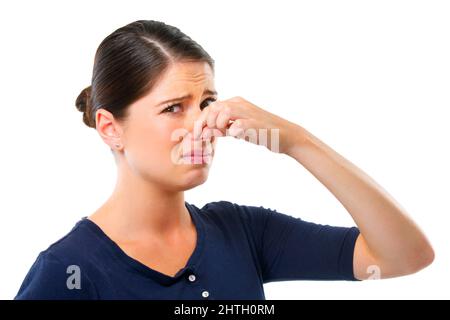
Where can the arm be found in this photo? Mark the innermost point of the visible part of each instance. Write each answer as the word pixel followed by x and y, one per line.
pixel 389 240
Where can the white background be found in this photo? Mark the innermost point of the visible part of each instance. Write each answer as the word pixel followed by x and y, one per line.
pixel 369 78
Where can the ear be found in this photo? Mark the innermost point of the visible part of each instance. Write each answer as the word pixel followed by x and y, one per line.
pixel 108 128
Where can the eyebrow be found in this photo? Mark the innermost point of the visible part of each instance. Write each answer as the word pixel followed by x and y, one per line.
pixel 186 96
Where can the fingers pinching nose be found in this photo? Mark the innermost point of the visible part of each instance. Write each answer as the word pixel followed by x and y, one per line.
pixel 223 119
pixel 236 129
pixel 209 133
pixel 212 115
pixel 206 134
pixel 199 126
pixel 216 118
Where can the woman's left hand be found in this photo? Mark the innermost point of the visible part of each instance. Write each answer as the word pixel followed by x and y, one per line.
pixel 241 119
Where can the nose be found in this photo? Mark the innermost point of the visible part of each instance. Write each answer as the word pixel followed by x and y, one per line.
pixel 193 122
pixel 194 127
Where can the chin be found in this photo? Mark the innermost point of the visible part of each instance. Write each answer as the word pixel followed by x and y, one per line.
pixel 193 177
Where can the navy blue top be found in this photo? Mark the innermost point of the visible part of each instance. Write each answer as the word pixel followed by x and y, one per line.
pixel 238 249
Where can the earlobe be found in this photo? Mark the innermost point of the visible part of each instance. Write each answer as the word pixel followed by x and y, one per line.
pixel 108 128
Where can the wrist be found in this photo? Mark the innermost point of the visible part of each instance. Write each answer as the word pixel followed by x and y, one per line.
pixel 295 136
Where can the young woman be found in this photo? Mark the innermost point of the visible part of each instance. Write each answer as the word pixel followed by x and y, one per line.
pixel 153 101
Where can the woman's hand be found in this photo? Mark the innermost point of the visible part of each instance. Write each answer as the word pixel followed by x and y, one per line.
pixel 241 119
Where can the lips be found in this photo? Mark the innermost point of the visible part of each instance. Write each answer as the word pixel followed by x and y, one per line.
pixel 196 154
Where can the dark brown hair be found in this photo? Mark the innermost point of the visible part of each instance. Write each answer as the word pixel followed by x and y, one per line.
pixel 129 62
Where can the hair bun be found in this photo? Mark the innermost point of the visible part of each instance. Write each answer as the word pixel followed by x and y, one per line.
pixel 83 99
pixel 83 104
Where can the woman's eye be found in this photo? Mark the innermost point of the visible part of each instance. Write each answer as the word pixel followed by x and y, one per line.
pixel 202 106
pixel 171 108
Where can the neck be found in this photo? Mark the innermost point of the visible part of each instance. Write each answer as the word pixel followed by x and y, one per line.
pixel 138 208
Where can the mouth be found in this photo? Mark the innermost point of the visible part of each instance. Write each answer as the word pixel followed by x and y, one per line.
pixel 197 156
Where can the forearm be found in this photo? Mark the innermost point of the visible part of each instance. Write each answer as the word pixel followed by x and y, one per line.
pixel 388 231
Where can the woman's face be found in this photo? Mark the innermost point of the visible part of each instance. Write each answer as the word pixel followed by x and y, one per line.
pixel 158 132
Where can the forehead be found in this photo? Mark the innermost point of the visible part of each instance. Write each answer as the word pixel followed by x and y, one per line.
pixel 185 77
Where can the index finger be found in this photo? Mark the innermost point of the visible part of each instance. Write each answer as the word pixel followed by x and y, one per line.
pixel 200 123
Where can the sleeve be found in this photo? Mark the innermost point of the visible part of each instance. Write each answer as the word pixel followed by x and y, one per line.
pixel 293 249
pixel 50 279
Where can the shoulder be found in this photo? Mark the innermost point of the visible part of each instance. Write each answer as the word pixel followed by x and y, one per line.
pixel 59 272
pixel 232 208
pixel 264 221
pixel 250 217
pixel 242 211
pixel 227 210
pixel 80 244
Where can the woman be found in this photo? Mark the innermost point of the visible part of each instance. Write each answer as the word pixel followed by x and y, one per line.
pixel 153 102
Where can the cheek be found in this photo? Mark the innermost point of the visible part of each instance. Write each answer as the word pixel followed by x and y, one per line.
pixel 160 133
pixel 152 141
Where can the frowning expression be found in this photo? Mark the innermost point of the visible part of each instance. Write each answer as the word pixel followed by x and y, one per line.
pixel 159 128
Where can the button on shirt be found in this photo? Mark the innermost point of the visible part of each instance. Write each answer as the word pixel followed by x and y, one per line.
pixel 238 249
pixel 192 278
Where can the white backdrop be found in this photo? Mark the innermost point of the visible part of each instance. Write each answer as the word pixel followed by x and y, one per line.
pixel 369 78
